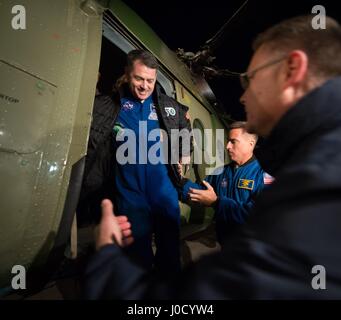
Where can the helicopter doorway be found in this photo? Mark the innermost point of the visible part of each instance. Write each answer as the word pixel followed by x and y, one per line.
pixel 112 63
pixel 116 43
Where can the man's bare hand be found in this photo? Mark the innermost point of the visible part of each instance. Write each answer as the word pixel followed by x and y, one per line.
pixel 204 197
pixel 113 229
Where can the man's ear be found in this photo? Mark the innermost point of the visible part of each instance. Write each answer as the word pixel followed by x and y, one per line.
pixel 296 68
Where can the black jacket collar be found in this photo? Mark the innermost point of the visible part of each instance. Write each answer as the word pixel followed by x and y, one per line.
pixel 235 165
pixel 318 111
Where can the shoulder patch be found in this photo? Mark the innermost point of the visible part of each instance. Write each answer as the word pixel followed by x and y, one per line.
pixel 170 111
pixel 267 179
pixel 246 184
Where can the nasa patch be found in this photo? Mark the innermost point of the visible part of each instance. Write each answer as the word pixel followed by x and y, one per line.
pixel 128 105
pixel 224 183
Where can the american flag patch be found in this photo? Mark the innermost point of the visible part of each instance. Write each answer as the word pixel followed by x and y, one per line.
pixel 267 179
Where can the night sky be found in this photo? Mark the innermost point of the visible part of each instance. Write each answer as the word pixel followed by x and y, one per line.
pixel 189 24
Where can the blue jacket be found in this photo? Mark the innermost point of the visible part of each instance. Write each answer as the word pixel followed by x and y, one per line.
pixel 236 188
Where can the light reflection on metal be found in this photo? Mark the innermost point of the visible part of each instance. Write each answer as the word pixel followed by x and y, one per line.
pixel 53 168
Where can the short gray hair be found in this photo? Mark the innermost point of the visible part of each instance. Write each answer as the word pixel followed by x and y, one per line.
pixel 144 56
pixel 322 46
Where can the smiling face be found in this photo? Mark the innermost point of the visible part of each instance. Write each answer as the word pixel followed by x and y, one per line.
pixel 141 80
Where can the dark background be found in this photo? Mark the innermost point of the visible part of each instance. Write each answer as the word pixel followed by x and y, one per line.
pixel 189 24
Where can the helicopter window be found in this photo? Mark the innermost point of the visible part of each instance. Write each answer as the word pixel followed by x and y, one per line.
pixel 114 36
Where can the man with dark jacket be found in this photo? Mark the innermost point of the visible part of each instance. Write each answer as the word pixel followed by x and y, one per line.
pixel 290 247
pixel 94 186
pixel 140 170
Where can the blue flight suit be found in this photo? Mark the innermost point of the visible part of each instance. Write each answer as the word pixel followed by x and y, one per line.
pixel 236 188
pixel 145 193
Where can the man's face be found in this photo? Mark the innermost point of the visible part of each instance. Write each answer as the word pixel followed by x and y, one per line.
pixel 262 97
pixel 141 80
pixel 239 146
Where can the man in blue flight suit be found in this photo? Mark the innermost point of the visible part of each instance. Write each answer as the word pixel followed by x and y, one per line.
pixel 145 189
pixel 231 192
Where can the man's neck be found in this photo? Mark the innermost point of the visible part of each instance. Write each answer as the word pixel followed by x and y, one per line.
pixel 248 159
